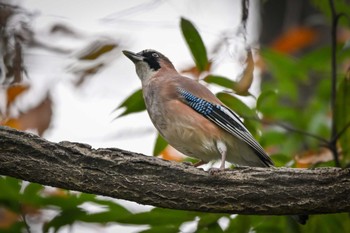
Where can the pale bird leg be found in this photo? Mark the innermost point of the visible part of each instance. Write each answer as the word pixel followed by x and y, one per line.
pixel 222 149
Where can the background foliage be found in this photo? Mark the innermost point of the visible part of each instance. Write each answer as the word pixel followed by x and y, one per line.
pixel 291 119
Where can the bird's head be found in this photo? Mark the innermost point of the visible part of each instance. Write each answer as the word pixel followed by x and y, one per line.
pixel 148 62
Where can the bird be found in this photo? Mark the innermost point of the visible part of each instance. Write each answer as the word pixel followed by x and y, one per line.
pixel 192 119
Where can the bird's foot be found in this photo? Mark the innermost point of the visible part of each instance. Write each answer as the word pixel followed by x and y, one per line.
pixel 214 171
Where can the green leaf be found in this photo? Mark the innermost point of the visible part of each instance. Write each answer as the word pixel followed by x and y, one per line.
pixel 66 217
pixel 160 145
pixel 327 223
pixel 71 212
pixel 286 71
pixel 209 223
pixel 317 60
pixel 31 194
pixel 159 216
pixel 221 81
pixel 195 43
pixel 113 207
pixel 32 189
pixel 212 228
pixel 281 160
pixel 10 188
pixel 134 103
pixel 273 137
pixel 343 116
pixel 264 99
pixel 236 105
pixel 267 224
pixel 101 217
pixel 162 229
pixel 240 224
pixel 19 226
pixel 270 105
pixel 66 202
pixel 341 6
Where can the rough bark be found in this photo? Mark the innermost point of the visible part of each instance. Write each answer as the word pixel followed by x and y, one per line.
pixel 149 180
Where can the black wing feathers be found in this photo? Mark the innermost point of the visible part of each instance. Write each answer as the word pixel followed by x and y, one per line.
pixel 230 122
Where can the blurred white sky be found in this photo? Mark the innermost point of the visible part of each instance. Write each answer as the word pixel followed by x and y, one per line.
pixel 84 114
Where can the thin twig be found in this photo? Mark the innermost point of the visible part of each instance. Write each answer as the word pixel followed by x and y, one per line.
pixel 341 132
pixel 245 13
pixel 291 129
pixel 25 222
pixel 333 143
pixel 244 19
pixel 303 132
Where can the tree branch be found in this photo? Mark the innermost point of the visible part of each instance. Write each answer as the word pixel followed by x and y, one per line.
pixel 148 180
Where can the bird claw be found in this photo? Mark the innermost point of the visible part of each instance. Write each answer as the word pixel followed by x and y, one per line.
pixel 214 171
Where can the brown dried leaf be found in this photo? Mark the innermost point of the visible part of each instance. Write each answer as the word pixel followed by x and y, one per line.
pixel 12 122
pixel 170 153
pixel 83 74
pixel 30 209
pixel 7 218
pixel 311 157
pixel 343 35
pixel 97 49
pixel 57 192
pixel 295 39
pixel 193 70
pixel 37 118
pixel 14 91
pixel 245 82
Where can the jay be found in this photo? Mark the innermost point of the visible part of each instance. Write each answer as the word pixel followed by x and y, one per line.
pixel 191 118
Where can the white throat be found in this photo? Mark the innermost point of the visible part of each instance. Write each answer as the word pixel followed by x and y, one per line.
pixel 144 72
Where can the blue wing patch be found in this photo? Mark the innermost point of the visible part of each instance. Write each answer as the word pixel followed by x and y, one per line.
pixel 208 109
pixel 226 119
pixel 199 105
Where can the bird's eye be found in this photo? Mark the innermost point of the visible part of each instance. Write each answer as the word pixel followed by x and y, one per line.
pixel 155 55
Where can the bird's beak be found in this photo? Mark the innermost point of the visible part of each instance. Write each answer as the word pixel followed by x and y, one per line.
pixel 133 56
